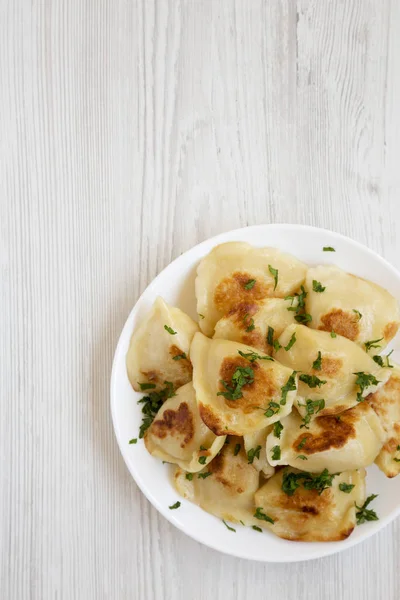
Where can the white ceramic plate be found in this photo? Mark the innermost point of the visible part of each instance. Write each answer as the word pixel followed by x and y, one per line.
pixel 176 285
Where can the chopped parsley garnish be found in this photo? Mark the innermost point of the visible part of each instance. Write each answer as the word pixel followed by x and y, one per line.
pixel 133 441
pixel 202 460
pixel 312 380
pixel 189 476
pixel 379 360
pixel 274 273
pixel 317 364
pixel 346 487
pixel 170 330
pixel 372 344
pixel 270 335
pixel 302 457
pixel 338 418
pixel 203 448
pixel 277 345
pixel 227 526
pixel 302 443
pixel 317 286
pixel 328 249
pixel 310 481
pixel 363 381
pixel 256 528
pixel 152 404
pixel 333 334
pixel 146 386
pixel 312 407
pixel 242 523
pixel 249 323
pixel 237 449
pixel 357 312
pixel 252 356
pixel 289 386
pixel 397 450
pixel 179 356
pixel 242 376
pixel 366 514
pixel 272 409
pixel 201 316
pixel 252 454
pixel 204 475
pixel 291 343
pixel 276 453
pixel 250 284
pixel 259 514
pixel 278 427
pixel 303 318
pixel 176 505
pixel 300 304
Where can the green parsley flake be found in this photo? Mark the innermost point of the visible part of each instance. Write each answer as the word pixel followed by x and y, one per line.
pixel 204 475
pixel 357 312
pixel 312 407
pixel 252 454
pixel 317 364
pixel 237 449
pixel 363 514
pixel 227 526
pixel 380 360
pixel 303 318
pixel 276 453
pixel 252 356
pixel 270 335
pixel 256 528
pixel 189 476
pixel 274 273
pixel 201 316
pixel 346 487
pixel 179 356
pixel 312 380
pixel 290 386
pixel 328 249
pixel 333 334
pixel 317 286
pixel 259 514
pixel 133 441
pixel 278 428
pixel 170 330
pixel 202 460
pixel 372 344
pixel 152 404
pixel 146 386
pixel 250 284
pixel 272 409
pixel 241 377
pixel 176 505
pixel 302 457
pixel 310 481
pixel 291 343
pixel 249 323
pixel 364 380
pixel 302 443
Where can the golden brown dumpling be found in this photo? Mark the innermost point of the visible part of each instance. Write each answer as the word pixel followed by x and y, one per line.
pixel 178 435
pixel 238 395
pixel 307 515
pixel 228 492
pixel 345 442
pixel 334 362
pixel 237 272
pixel 248 323
pixel 386 404
pixel 159 348
pixel 353 307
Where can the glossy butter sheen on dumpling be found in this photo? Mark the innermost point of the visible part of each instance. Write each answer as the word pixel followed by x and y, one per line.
pixel 159 348
pixel 248 322
pixel 353 307
pixel 386 404
pixel 178 434
pixel 237 272
pixel 310 516
pixel 334 361
pixel 342 442
pixel 256 444
pixel 226 487
pixel 237 395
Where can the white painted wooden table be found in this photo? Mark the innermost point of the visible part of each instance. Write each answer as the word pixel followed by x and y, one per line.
pixel 130 131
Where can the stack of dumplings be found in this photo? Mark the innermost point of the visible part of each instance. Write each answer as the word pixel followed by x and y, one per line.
pixel 272 405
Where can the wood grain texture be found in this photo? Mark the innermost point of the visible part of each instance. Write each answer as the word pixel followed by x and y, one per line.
pixel 130 131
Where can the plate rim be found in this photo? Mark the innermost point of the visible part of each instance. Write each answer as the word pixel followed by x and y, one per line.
pixel 331 550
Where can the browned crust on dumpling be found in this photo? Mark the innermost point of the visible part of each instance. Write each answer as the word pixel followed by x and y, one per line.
pixel 256 394
pixel 184 364
pixel 153 376
pixel 241 316
pixel 341 322
pixel 388 394
pixel 330 366
pixel 335 434
pixel 390 330
pixel 212 420
pixel 231 291
pixel 175 423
